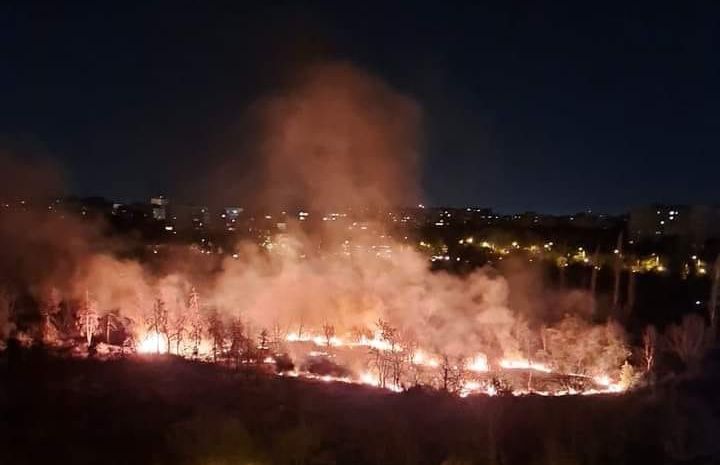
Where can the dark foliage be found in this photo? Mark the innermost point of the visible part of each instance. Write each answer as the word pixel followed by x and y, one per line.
pixel 163 410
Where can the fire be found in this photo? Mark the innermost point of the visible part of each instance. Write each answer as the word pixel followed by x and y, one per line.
pixel 377 342
pixel 371 379
pixel 153 343
pixel 523 364
pixel 422 358
pixel 470 387
pixel 478 363
pixel 315 339
pixel 475 387
pixel 607 383
pixel 480 371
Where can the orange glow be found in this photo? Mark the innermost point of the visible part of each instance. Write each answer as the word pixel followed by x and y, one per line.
pixel 153 343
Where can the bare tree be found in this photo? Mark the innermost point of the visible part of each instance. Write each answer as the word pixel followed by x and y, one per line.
pixel 380 363
pixel 87 318
pixel 195 321
pixel 329 333
pixel 453 374
pixel 49 307
pixel 410 347
pixel 157 322
pixel 264 340
pixel 594 276
pixel 649 347
pixel 395 357
pixel 112 323
pixel 688 340
pixel 177 326
pixel 251 354
pixel 216 329
pixel 544 338
pixel 301 325
pixel 617 270
pixel 380 358
pixel 630 293
pixel 264 345
pixel 278 337
pixel 237 340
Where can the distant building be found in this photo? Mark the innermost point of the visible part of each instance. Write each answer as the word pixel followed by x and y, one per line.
pixel 233 212
pixel 231 216
pixel 159 207
pixel 190 217
pixel 696 223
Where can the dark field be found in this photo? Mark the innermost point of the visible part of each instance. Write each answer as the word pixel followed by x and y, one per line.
pixel 170 411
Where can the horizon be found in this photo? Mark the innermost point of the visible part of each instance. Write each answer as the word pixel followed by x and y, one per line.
pixel 538 108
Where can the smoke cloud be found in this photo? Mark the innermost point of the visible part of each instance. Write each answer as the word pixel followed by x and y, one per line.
pixel 335 140
pixel 339 138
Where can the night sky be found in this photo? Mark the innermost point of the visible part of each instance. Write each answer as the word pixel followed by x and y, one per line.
pixel 526 106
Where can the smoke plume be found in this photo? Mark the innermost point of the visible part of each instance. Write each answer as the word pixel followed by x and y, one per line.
pixel 339 138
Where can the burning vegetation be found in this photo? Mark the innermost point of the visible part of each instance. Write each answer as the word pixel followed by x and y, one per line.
pixel 325 304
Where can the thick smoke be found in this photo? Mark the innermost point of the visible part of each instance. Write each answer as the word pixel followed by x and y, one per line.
pixel 336 140
pixel 340 139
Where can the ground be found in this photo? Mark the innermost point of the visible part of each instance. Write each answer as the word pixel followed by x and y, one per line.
pixel 158 410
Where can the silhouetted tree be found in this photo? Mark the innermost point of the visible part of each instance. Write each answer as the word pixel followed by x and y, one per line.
pixel 216 329
pixel 111 322
pixel 49 307
pixel 649 348
pixel 177 326
pixel 329 333
pixel 87 318
pixel 195 321
pixel 617 272
pixel 238 341
pixel 688 340
pixel 157 322
pixel 713 301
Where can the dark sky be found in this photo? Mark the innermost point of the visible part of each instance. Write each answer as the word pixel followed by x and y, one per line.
pixel 539 106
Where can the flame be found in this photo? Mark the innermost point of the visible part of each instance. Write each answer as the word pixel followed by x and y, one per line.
pixel 377 342
pixel 153 343
pixel 316 339
pixel 423 359
pixel 478 363
pixel 470 387
pixel 523 364
pixel 608 384
pixel 476 387
pixel 370 379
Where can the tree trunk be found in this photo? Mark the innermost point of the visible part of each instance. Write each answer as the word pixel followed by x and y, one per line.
pixel 593 278
pixel 712 303
pixel 630 294
pixel 618 272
